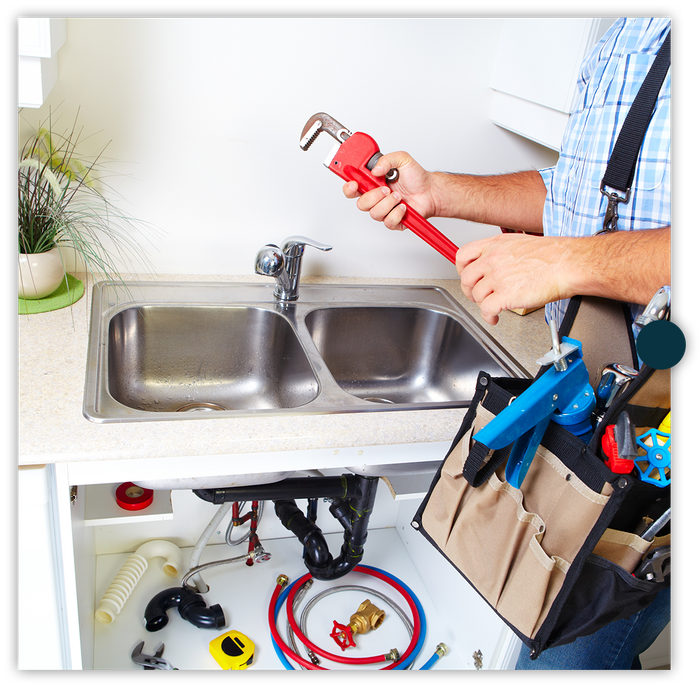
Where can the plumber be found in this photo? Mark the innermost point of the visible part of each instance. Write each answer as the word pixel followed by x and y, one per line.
pixel 558 249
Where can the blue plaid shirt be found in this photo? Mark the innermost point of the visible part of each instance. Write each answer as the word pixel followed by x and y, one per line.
pixel 610 78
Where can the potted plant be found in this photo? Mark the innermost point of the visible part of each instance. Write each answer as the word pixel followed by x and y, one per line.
pixel 60 204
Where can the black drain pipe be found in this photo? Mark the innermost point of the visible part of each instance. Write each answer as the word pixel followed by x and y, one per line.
pixel 344 486
pixel 190 605
pixel 353 500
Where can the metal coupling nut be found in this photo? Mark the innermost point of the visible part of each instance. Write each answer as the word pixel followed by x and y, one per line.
pixel 441 650
pixel 282 580
pixel 393 655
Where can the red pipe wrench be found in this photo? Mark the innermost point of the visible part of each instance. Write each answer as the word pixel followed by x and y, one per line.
pixel 353 158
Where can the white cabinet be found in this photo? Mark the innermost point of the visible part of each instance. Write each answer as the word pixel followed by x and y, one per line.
pixel 38 43
pixel 535 71
pixel 90 544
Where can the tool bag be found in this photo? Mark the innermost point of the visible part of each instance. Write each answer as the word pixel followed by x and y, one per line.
pixel 555 558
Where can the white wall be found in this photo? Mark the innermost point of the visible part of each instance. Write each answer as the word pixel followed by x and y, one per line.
pixel 204 116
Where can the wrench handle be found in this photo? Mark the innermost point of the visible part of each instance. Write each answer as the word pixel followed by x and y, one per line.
pixel 350 164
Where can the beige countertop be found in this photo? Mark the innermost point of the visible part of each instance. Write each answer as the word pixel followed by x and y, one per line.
pixel 52 428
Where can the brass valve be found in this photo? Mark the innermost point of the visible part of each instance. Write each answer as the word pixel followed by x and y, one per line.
pixel 367 617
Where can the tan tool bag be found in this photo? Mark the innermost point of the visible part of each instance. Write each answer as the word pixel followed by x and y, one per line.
pixel 554 558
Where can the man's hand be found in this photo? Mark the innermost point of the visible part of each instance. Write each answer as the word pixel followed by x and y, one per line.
pixel 512 271
pixel 520 271
pixel 514 200
pixel 386 205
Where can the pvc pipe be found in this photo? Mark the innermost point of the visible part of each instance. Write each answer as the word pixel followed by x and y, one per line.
pixel 305 487
pixel 130 574
pixel 165 549
pixel 190 605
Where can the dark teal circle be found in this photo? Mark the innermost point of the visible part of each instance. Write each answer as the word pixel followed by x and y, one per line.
pixel 661 344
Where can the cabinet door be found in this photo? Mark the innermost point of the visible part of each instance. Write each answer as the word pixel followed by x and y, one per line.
pixel 38 43
pixel 535 72
pixel 42 611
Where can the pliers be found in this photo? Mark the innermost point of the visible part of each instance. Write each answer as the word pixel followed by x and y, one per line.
pixel 353 158
pixel 151 662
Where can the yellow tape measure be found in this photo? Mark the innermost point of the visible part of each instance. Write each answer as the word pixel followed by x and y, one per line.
pixel 232 650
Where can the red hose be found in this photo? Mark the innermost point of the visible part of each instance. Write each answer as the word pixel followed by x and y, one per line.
pixel 309 644
pixel 278 639
pixel 331 656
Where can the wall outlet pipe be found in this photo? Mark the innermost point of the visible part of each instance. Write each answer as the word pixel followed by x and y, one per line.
pixel 130 574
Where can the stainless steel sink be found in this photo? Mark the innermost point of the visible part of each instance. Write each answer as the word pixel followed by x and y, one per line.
pixel 176 358
pixel 164 351
pixel 398 354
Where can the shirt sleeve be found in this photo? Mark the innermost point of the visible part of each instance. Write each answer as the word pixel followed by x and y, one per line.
pixel 547 173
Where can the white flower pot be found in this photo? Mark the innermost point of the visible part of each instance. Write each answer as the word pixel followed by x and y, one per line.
pixel 40 274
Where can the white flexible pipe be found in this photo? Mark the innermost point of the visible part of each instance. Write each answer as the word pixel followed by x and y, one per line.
pixel 202 542
pixel 131 572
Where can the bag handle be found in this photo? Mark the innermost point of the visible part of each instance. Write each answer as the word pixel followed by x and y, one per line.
pixel 479 466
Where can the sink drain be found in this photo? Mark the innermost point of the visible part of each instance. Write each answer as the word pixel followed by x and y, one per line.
pixel 201 406
pixel 378 400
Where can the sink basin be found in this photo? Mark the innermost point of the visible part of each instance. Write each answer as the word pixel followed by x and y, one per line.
pixel 175 358
pixel 183 350
pixel 396 354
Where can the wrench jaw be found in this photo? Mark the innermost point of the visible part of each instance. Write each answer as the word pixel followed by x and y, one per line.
pixel 322 122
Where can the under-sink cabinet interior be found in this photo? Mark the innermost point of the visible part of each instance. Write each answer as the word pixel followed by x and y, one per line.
pixel 99 536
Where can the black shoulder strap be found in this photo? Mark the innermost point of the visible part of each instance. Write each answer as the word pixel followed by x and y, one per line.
pixel 623 159
pixel 619 174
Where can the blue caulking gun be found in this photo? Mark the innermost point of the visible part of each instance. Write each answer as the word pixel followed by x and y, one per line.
pixel 562 394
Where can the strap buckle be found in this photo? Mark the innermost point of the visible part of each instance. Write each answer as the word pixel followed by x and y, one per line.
pixel 611 215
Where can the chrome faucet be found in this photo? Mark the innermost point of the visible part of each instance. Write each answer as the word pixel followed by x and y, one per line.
pixel 285 264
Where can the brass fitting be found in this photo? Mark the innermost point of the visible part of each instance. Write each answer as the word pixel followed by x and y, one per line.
pixel 441 650
pixel 368 616
pixel 282 580
pixel 393 655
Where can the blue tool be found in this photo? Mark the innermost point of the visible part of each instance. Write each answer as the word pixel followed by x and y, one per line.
pixel 560 394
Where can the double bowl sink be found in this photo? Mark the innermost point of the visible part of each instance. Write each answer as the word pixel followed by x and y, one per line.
pixel 184 350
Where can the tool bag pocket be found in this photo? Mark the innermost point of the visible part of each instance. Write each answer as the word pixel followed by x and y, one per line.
pixel 539 555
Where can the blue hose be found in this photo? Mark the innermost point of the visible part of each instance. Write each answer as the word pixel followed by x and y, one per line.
pixel 406 662
pixel 430 662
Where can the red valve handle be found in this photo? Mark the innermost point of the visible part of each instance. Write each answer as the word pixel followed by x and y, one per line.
pixel 350 164
pixel 342 635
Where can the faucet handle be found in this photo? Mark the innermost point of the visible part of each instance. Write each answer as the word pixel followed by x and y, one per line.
pixel 294 245
pixel 269 261
pixel 285 264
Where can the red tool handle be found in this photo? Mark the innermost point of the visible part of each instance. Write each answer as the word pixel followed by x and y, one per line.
pixel 350 163
pixel 615 463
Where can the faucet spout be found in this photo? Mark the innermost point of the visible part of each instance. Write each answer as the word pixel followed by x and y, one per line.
pixel 285 264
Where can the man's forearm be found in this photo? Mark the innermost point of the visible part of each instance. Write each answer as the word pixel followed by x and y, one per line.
pixel 628 266
pixel 519 271
pixel 515 200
